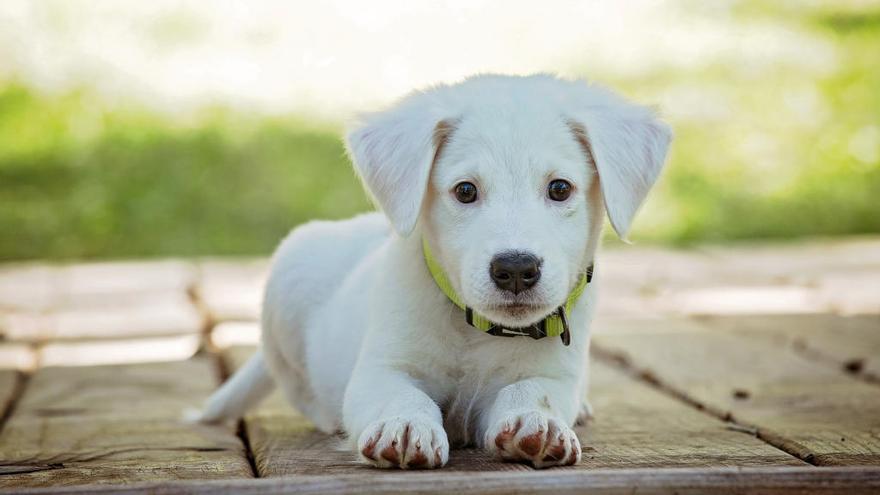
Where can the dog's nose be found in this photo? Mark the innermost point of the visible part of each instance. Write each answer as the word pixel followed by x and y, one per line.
pixel 515 271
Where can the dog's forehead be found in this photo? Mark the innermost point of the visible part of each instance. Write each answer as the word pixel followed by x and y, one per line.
pixel 514 138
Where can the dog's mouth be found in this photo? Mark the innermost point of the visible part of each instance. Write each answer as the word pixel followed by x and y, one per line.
pixel 519 310
pixel 519 313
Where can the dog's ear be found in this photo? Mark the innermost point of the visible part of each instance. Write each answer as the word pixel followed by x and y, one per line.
pixel 627 144
pixel 393 152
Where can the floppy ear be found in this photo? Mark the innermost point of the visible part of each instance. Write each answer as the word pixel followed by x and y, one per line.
pixel 627 145
pixel 393 152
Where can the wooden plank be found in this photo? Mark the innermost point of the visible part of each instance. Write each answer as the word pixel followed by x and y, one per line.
pixel 28 286
pixel 17 355
pixel 851 343
pixel 8 383
pixel 235 333
pixel 118 351
pixel 636 426
pixel 116 424
pixel 684 481
pixel 152 314
pixel 813 411
pixel 41 287
pixel 107 284
pixel 838 276
pixel 232 290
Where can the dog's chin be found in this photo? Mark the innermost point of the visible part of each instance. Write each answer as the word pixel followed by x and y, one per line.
pixel 517 314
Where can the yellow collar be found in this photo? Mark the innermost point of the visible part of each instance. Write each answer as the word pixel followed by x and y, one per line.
pixel 556 323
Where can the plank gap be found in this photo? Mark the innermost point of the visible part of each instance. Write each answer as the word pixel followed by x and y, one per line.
pixel 224 372
pixel 21 381
pixel 208 323
pixel 246 441
pixel 647 376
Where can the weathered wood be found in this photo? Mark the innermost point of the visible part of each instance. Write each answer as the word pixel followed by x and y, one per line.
pixel 788 480
pixel 235 333
pixel 635 426
pixel 28 287
pixel 152 314
pixel 42 287
pixel 17 355
pixel 108 284
pixel 850 343
pixel 8 382
pixel 232 291
pixel 838 276
pixel 116 424
pixel 118 351
pixel 810 410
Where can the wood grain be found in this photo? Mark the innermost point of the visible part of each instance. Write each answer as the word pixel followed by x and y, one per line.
pixel 152 314
pixel 849 343
pixel 116 424
pixel 811 410
pixel 8 382
pixel 232 291
pixel 635 426
pixel 789 480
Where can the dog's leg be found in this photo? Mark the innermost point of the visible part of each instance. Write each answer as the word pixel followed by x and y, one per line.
pixel 530 421
pixel 396 424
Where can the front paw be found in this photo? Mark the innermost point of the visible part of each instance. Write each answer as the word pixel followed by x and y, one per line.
pixel 405 444
pixel 534 438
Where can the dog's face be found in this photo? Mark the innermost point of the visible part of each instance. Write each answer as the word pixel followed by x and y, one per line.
pixel 509 211
pixel 506 177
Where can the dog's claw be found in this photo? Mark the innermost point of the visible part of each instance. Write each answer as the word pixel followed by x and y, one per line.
pixel 536 440
pixel 399 443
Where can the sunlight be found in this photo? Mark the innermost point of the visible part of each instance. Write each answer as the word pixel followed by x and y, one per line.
pixel 331 58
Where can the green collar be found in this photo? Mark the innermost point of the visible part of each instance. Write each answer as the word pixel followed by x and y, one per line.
pixel 554 324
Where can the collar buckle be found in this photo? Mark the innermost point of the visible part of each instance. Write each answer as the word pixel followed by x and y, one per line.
pixel 536 331
pixel 563 318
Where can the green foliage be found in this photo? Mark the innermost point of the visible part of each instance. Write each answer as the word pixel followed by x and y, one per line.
pixel 778 150
pixel 77 182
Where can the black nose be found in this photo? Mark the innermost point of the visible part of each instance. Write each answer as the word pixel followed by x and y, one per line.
pixel 515 271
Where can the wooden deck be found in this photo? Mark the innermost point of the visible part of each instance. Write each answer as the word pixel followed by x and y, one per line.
pixel 749 369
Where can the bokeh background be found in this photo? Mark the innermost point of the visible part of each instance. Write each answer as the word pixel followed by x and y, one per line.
pixel 166 128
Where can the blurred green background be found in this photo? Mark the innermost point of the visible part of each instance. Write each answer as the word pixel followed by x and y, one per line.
pixel 782 149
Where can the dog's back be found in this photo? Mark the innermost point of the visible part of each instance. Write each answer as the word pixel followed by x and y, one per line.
pixel 308 269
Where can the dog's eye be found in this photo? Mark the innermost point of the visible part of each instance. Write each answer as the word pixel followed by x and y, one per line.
pixel 465 192
pixel 559 190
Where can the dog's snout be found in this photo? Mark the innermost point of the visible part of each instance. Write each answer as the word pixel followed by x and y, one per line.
pixel 515 271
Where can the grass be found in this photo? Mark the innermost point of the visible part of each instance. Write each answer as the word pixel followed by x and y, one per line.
pixel 82 183
pixel 794 153
pixel 789 153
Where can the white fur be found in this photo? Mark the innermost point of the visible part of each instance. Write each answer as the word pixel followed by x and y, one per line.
pixel 355 330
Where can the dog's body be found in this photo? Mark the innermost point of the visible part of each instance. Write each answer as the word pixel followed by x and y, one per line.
pixel 356 330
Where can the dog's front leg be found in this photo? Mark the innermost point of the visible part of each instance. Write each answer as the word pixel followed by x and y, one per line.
pixel 397 424
pixel 531 420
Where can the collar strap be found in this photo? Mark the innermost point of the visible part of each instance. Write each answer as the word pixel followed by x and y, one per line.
pixel 556 323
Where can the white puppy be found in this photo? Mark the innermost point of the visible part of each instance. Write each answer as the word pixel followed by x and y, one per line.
pixel 501 183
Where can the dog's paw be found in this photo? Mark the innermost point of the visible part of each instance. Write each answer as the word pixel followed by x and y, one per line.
pixel 404 443
pixel 534 438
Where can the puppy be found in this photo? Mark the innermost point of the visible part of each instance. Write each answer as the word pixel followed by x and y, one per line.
pixel 461 314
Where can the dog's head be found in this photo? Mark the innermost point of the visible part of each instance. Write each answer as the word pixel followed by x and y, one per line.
pixel 508 179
